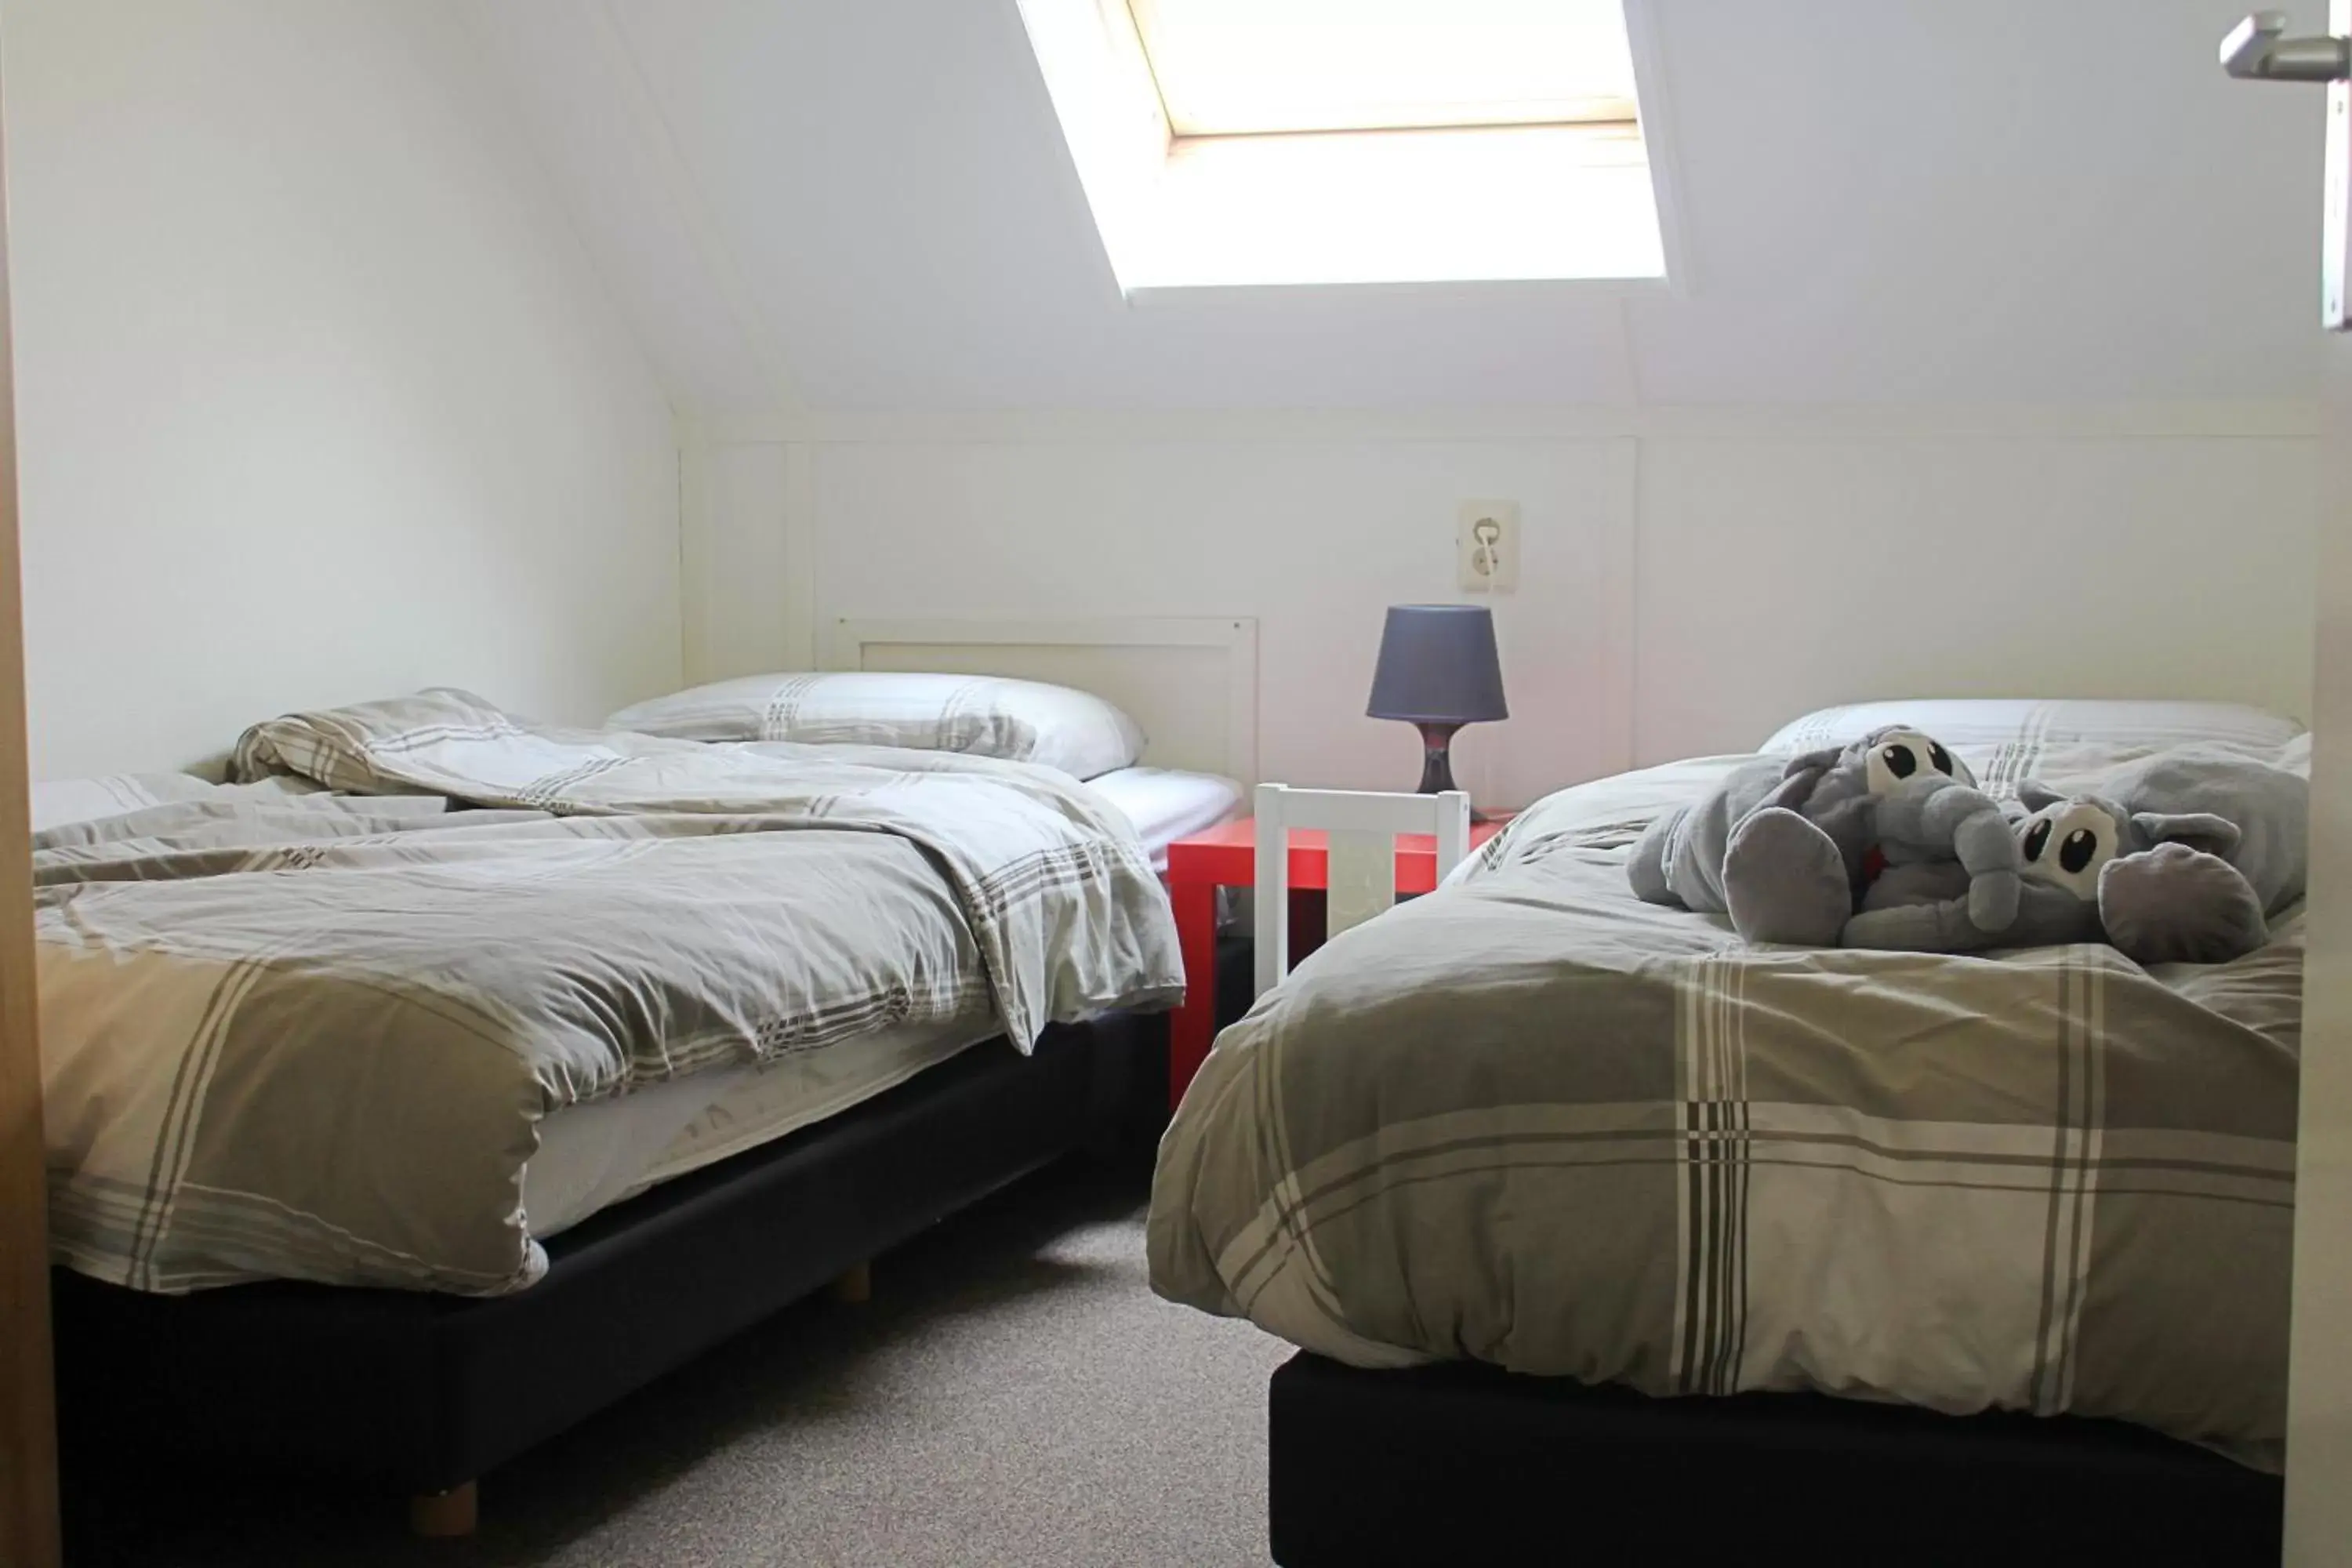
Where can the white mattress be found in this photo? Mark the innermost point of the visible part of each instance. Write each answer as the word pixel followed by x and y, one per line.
pixel 592 1156
pixel 1166 805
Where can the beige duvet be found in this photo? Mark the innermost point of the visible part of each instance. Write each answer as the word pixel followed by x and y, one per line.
pixel 1534 1122
pixel 314 1037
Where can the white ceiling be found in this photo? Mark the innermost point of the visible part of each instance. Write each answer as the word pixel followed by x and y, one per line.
pixel 867 204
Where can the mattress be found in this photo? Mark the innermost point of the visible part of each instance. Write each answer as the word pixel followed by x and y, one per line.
pixel 595 1156
pixel 1167 803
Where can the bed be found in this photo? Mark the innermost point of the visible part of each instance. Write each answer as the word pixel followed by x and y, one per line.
pixel 923 1038
pixel 1560 1190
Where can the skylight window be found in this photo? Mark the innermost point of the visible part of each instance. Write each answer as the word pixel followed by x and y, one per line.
pixel 1300 142
pixel 1248 68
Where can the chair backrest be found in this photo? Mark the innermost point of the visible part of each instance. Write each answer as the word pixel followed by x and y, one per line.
pixel 1360 881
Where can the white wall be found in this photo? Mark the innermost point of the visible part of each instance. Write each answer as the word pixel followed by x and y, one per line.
pixel 1781 573
pixel 1689 578
pixel 320 398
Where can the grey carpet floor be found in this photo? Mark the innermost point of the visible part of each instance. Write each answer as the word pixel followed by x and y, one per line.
pixel 1015 1393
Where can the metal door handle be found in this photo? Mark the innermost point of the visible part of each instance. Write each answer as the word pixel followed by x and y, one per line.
pixel 2258 49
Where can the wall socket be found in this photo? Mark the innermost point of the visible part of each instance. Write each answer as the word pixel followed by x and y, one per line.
pixel 1487 546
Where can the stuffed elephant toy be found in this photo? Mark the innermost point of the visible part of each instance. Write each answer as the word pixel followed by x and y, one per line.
pixel 1793 851
pixel 2182 858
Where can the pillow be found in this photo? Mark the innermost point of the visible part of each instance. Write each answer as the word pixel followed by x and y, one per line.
pixel 1985 724
pixel 988 715
pixel 2005 739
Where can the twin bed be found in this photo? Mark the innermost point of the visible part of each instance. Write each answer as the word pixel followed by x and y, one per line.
pixel 449 1076
pixel 1579 1208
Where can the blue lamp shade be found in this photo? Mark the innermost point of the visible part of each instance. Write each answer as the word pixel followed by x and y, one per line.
pixel 1438 666
pixel 1438 671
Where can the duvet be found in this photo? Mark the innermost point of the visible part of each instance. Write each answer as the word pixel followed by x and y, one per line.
pixel 314 1037
pixel 1533 1122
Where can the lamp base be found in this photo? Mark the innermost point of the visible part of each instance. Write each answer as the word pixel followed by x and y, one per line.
pixel 1437 764
pixel 1436 758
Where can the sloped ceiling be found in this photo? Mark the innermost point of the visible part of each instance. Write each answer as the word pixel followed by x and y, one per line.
pixel 867 204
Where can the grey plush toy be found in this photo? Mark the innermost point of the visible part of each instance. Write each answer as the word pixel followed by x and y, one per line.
pixel 1792 852
pixel 2182 859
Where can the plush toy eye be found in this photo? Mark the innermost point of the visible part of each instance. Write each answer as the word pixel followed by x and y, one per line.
pixel 1898 758
pixel 2068 845
pixel 2076 852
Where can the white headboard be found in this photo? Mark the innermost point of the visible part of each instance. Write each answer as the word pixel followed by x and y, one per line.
pixel 1189 680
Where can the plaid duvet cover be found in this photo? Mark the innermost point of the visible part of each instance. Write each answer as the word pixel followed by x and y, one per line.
pixel 1534 1122
pixel 314 1038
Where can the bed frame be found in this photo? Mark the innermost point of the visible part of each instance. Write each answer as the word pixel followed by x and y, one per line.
pixel 420 1394
pixel 1465 1463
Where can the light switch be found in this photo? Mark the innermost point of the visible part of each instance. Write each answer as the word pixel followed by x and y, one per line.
pixel 1487 546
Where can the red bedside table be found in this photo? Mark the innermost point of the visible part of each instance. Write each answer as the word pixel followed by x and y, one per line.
pixel 1226 857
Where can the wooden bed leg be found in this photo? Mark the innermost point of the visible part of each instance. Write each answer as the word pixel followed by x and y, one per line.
pixel 441 1516
pixel 854 1285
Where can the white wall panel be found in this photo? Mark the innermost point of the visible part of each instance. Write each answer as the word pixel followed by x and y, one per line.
pixel 1314 539
pixel 744 574
pixel 1776 575
pixel 1683 589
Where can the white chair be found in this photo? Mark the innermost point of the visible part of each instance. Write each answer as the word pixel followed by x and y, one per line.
pixel 1360 879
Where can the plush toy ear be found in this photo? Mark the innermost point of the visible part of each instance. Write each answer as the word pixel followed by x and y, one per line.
pixel 2035 794
pixel 2198 829
pixel 2178 905
pixel 1818 762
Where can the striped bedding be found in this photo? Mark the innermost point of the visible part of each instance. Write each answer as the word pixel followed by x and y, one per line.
pixel 1992 731
pixel 1534 1122
pixel 314 1037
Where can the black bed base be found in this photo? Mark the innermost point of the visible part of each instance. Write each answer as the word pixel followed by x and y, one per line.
pixel 1467 1464
pixel 421 1393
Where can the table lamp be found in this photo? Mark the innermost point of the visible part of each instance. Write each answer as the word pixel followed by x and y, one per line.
pixel 1438 669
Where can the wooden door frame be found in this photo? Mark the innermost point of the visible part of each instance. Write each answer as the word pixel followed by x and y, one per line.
pixel 2319 1374
pixel 28 1450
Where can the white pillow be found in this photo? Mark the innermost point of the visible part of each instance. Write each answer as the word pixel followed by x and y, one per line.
pixel 2004 740
pixel 988 715
pixel 1984 724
